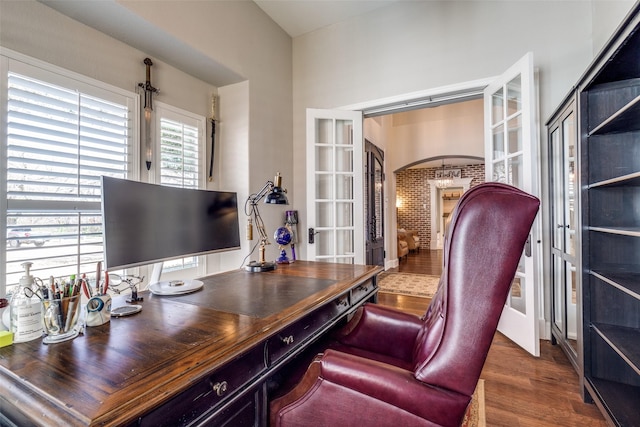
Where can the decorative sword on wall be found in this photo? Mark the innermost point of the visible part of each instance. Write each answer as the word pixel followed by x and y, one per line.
pixel 148 111
pixel 213 136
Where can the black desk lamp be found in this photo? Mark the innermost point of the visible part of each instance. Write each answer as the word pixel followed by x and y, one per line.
pixel 275 195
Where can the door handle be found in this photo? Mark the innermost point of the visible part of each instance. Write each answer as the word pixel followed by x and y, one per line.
pixel 312 235
pixel 527 247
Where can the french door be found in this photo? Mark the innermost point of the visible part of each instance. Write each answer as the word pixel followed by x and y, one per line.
pixel 335 208
pixel 511 141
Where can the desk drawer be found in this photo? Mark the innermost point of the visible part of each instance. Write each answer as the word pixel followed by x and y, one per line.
pixel 362 291
pixel 243 413
pixel 291 338
pixel 216 388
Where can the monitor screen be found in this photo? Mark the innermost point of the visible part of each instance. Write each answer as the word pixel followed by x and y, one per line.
pixel 147 223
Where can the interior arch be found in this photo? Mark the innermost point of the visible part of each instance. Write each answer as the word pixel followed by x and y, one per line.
pixel 436 161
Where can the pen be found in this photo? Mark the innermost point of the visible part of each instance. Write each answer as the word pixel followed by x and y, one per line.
pixel 98 271
pixel 76 289
pixel 72 284
pixel 71 308
pixel 59 307
pixel 86 288
pixel 106 282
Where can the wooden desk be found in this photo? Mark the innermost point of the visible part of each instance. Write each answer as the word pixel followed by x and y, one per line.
pixel 200 358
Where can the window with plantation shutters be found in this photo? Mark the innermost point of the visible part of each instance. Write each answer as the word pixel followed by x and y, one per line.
pixel 62 134
pixel 181 142
pixel 178 154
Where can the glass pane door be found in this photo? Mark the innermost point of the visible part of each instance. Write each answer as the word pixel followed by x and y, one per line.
pixel 562 178
pixel 507 158
pixel 510 144
pixel 335 199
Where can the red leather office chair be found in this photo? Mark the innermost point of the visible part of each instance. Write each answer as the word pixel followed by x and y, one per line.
pixel 390 368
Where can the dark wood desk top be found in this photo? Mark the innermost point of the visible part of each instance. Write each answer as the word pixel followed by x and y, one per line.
pixel 117 371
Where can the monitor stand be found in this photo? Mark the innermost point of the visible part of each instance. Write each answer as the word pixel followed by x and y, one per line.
pixel 156 273
pixel 176 286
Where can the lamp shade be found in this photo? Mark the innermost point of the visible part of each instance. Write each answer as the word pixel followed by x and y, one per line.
pixel 277 196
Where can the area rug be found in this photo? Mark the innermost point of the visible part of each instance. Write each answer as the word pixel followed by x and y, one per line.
pixel 475 416
pixel 415 285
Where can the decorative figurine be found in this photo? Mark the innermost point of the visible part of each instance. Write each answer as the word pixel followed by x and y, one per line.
pixel 282 236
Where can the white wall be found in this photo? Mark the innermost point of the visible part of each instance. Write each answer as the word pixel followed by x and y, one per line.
pixel 414 46
pixel 607 16
pixel 232 167
pixel 449 130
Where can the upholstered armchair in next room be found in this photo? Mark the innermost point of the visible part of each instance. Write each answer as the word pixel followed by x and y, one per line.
pixel 403 247
pixel 390 368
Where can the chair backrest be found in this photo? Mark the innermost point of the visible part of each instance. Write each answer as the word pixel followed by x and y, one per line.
pixel 483 245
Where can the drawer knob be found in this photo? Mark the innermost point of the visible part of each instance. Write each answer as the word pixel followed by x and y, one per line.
pixel 220 388
pixel 287 340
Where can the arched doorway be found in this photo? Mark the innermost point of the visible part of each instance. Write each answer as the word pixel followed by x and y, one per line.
pixel 419 203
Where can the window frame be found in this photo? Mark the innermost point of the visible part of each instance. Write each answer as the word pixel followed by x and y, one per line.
pixel 11 61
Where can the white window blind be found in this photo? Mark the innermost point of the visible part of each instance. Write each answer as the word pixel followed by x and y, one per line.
pixel 179 154
pixel 181 145
pixel 60 140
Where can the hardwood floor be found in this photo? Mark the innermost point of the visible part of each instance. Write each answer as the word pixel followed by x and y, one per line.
pixel 520 390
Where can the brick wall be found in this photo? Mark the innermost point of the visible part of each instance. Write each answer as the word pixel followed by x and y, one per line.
pixel 413 189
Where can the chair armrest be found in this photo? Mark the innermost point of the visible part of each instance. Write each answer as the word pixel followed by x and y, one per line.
pixel 382 330
pixel 389 393
pixel 390 384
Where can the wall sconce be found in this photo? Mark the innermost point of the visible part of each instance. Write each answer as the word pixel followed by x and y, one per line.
pixel 273 194
pixel 149 90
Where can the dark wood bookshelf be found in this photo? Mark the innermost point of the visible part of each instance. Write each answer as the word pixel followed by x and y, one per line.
pixel 609 106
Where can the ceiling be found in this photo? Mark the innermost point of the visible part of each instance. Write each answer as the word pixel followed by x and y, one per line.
pixel 299 17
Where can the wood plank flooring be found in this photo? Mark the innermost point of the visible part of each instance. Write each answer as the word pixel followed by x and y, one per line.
pixel 520 390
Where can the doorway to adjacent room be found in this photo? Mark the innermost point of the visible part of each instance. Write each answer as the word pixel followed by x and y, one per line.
pixel 374 204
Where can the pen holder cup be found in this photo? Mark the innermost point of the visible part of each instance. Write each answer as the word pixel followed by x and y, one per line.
pixel 98 310
pixel 61 319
